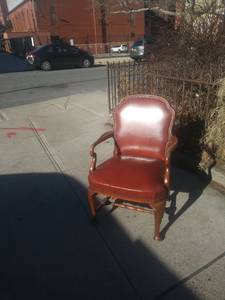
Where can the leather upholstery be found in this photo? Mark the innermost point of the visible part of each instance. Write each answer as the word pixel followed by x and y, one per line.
pixel 130 178
pixel 143 126
pixel 142 131
pixel 139 170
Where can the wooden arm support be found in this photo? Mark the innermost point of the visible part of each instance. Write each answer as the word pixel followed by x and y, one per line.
pixel 171 146
pixel 105 136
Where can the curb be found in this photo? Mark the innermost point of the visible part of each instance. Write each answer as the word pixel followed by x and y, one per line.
pixel 218 175
pixel 112 59
pixel 110 56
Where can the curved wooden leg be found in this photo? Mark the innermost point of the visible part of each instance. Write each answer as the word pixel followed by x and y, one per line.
pixel 91 203
pixel 159 208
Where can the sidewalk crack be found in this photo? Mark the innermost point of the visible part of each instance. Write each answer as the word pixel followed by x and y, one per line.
pixel 189 277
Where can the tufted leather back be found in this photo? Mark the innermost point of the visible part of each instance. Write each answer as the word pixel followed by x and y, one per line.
pixel 142 126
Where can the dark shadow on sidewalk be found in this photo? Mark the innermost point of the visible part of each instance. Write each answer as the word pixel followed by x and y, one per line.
pixel 188 156
pixel 50 250
pixel 191 184
pixel 10 63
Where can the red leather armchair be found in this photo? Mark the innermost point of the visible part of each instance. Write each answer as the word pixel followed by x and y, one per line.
pixel 137 175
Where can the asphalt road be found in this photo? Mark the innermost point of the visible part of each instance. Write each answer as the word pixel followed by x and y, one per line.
pixel 37 86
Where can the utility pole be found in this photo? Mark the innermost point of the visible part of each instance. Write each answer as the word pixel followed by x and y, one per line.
pixel 95 26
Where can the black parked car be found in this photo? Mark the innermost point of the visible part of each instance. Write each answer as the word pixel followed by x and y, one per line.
pixel 47 57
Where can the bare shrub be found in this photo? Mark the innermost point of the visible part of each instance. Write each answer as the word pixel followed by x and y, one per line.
pixel 196 51
pixel 197 48
pixel 214 136
pixel 185 68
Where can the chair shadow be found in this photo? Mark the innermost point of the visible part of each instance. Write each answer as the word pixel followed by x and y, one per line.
pixel 50 250
pixel 189 135
pixel 191 183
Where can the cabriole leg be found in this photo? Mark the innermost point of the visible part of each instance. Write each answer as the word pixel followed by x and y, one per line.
pixel 91 203
pixel 159 209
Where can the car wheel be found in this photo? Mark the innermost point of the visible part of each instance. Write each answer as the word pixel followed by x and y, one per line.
pixel 46 65
pixel 86 63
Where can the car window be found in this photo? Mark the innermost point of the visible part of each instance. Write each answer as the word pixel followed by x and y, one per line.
pixel 74 50
pixel 138 43
pixel 65 50
pixel 58 49
pixel 40 48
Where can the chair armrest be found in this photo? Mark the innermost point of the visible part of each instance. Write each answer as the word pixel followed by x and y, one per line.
pixel 105 136
pixel 171 146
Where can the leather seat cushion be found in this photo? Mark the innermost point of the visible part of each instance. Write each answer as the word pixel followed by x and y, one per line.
pixel 134 179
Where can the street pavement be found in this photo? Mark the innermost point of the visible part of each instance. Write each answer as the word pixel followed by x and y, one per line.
pixel 112 59
pixel 49 248
pixel 37 86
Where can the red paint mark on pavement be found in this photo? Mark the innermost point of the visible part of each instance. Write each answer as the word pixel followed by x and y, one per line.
pixel 24 128
pixel 11 134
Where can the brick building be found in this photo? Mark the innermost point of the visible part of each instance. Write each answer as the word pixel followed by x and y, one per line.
pixel 3 22
pixel 78 22
pixel 3 12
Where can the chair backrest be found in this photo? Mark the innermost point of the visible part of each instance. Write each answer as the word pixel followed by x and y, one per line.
pixel 142 126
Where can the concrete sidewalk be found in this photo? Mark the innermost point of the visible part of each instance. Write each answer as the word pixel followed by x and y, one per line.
pixel 50 250
pixel 112 59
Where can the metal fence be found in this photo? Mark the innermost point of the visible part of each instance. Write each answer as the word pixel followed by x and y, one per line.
pixel 191 99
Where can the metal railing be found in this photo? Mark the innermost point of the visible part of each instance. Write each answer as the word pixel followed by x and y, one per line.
pixel 190 98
